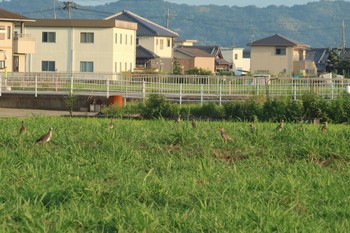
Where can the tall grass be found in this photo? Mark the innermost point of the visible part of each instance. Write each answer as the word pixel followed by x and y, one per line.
pixel 160 176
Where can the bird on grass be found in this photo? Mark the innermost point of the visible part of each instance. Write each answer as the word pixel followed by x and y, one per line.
pixel 45 138
pixel 178 119
pixel 111 125
pixel 280 126
pixel 23 128
pixel 194 124
pixel 252 128
pixel 324 126
pixel 225 136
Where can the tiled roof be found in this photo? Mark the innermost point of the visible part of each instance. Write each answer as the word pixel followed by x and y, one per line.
pixel 10 16
pixel 143 53
pixel 145 27
pixel 219 61
pixel 193 52
pixel 277 40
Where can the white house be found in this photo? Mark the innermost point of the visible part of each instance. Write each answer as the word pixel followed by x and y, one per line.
pixel 83 45
pixel 240 63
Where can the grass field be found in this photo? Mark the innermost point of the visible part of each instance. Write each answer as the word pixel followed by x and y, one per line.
pixel 159 176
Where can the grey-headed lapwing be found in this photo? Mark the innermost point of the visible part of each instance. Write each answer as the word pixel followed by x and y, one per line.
pixel 194 124
pixel 111 125
pixel 23 128
pixel 252 128
pixel 225 136
pixel 280 126
pixel 324 126
pixel 178 119
pixel 45 138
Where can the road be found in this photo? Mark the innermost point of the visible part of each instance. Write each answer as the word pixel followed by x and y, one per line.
pixel 14 112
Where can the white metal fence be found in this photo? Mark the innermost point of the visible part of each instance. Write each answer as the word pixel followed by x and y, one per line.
pixel 179 88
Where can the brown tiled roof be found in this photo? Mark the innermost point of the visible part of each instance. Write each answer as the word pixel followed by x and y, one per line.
pixel 277 40
pixel 88 23
pixel 193 52
pixel 10 16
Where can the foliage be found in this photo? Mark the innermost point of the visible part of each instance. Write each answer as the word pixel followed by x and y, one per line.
pixel 177 68
pixel 157 106
pixel 69 100
pixel 198 71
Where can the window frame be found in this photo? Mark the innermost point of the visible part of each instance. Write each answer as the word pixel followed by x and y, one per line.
pixel 87 37
pixel 48 37
pixel 48 65
pixel 86 66
pixel 280 51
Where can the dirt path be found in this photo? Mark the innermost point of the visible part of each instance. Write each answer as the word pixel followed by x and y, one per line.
pixel 14 112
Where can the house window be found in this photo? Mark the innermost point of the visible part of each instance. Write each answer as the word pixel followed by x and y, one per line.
pixel 131 39
pixel 168 43
pixel 2 64
pixel 2 32
pixel 86 66
pixel 126 38
pixel 236 56
pixel 49 37
pixel 116 38
pixel 161 46
pixel 121 39
pixel 48 66
pixel 137 41
pixel 280 51
pixel 9 32
pixel 87 37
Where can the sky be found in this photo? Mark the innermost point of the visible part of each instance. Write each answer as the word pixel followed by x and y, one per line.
pixel 241 3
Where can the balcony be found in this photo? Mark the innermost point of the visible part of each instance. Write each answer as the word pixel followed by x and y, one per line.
pixel 23 44
pixel 304 67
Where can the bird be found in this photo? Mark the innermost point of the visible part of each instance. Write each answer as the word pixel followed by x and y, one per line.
pixel 193 123
pixel 45 138
pixel 324 126
pixel 178 119
pixel 23 128
pixel 280 126
pixel 110 125
pixel 252 128
pixel 225 136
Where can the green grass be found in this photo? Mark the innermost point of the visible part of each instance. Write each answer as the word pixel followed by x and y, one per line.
pixel 157 176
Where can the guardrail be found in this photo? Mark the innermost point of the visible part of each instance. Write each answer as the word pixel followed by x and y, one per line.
pixel 181 88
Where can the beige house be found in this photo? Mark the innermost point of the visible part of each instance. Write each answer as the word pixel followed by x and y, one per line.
pixel 15 46
pixel 279 55
pixel 83 45
pixel 190 57
pixel 156 39
pixel 240 63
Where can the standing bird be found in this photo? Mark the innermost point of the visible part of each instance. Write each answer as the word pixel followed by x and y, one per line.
pixel 178 119
pixel 324 126
pixel 252 128
pixel 225 136
pixel 194 125
pixel 111 125
pixel 280 127
pixel 23 128
pixel 45 138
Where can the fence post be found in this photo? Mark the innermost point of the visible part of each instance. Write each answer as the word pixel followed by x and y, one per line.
pixel 107 82
pixel 294 89
pixel 36 86
pixel 220 93
pixel 180 93
pixel 202 94
pixel 143 89
pixel 332 89
pixel 71 84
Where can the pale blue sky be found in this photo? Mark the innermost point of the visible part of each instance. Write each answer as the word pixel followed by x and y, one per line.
pixel 258 3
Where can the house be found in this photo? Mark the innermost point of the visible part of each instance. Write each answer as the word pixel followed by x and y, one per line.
pixel 237 57
pixel 190 57
pixel 278 55
pixel 15 46
pixel 153 37
pixel 83 45
pixel 219 63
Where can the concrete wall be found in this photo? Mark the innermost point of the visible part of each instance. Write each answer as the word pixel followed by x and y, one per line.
pixel 48 102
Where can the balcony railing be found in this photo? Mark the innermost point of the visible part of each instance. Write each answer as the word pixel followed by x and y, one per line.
pixel 23 43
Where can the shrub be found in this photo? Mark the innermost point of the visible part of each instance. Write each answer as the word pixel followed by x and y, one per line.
pixel 274 109
pixel 211 110
pixel 314 106
pixel 158 106
pixel 198 71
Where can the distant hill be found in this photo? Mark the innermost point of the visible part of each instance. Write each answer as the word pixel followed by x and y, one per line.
pixel 318 24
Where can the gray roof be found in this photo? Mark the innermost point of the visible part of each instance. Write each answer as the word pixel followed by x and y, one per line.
pixel 193 52
pixel 277 40
pixel 13 17
pixel 143 53
pixel 145 27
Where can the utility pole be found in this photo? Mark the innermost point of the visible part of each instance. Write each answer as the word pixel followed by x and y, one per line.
pixel 54 9
pixel 168 16
pixel 68 6
pixel 343 44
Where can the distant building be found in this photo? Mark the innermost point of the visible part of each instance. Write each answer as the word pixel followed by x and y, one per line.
pixel 15 46
pixel 279 55
pixel 156 39
pixel 83 45
pixel 240 63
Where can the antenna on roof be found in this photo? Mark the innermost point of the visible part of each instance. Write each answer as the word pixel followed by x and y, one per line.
pixel 54 9
pixel 168 16
pixel 343 44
